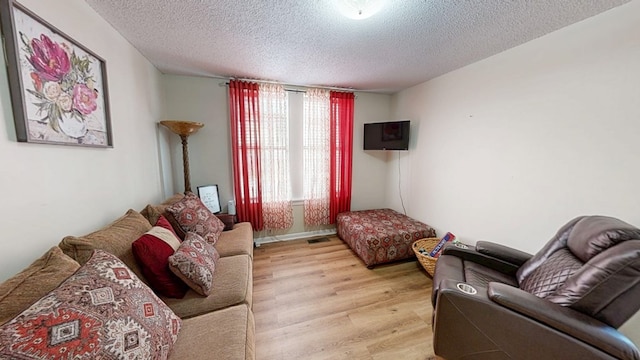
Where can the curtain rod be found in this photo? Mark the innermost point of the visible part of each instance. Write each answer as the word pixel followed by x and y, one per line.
pixel 287 87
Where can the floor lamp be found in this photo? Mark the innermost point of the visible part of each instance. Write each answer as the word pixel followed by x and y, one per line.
pixel 184 129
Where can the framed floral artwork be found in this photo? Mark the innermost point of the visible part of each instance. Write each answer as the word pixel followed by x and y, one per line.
pixel 58 87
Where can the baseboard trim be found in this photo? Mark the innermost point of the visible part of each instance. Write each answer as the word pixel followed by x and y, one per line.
pixel 296 236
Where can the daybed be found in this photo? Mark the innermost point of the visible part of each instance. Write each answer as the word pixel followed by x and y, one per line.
pixel 101 296
pixel 381 236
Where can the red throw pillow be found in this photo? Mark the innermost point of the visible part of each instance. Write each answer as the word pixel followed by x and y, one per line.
pixel 152 251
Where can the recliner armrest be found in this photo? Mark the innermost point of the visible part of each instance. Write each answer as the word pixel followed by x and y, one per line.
pixel 491 262
pixel 502 252
pixel 564 319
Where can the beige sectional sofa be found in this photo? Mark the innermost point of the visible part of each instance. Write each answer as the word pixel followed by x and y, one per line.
pixel 218 326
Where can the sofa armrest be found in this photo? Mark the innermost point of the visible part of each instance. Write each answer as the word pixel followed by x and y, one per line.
pixel 471 254
pixel 564 319
pixel 510 255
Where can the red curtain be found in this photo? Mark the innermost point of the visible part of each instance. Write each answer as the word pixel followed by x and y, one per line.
pixel 341 153
pixel 244 112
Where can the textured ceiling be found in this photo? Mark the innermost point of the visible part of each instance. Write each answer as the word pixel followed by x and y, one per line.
pixel 308 42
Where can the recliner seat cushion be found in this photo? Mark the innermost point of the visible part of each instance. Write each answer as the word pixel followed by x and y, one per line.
pixel 480 276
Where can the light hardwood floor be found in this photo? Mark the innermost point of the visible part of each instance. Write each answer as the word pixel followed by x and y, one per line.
pixel 319 301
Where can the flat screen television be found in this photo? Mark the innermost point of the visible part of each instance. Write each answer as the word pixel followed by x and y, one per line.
pixel 390 135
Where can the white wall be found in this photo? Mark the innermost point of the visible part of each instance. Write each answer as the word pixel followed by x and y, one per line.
pixel 204 100
pixel 512 147
pixel 369 167
pixel 50 191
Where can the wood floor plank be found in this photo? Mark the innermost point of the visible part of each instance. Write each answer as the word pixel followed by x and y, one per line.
pixel 319 301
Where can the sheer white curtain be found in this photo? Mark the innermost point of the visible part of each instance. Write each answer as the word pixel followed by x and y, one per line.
pixel 316 149
pixel 274 157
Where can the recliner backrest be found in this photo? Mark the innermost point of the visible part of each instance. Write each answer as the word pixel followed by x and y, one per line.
pixel 592 265
pixel 544 272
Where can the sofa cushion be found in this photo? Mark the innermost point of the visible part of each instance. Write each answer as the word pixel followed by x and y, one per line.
pixel 190 214
pixel 237 241
pixel 32 283
pixel 153 212
pixel 152 251
pixel 195 262
pixel 102 311
pixel 115 238
pixel 233 284
pixel 227 333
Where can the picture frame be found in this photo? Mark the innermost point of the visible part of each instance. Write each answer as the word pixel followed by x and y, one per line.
pixel 58 87
pixel 210 197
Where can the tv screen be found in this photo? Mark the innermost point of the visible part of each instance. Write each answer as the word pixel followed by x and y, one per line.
pixel 391 135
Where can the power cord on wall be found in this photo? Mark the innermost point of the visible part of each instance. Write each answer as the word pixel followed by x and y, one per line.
pixel 400 185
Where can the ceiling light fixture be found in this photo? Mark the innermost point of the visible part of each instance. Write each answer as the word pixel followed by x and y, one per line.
pixel 359 9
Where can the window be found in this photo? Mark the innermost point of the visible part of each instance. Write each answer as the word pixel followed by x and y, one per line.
pixel 259 134
pixel 272 130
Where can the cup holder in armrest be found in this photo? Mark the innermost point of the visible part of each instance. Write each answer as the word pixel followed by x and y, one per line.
pixel 460 245
pixel 466 288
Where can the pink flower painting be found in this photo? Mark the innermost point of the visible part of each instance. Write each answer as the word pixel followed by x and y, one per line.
pixel 49 60
pixel 63 84
pixel 84 99
pixel 58 87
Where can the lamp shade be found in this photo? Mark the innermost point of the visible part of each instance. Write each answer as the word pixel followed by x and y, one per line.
pixel 182 128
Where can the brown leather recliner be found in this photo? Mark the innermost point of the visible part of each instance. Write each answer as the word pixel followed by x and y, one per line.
pixel 565 302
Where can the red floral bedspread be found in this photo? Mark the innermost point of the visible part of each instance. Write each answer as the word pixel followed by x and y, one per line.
pixel 381 236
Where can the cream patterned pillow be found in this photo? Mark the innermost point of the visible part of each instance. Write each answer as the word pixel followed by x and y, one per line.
pixel 194 262
pixel 191 215
pixel 103 311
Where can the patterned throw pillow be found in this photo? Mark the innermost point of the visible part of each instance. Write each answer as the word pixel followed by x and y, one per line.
pixel 152 251
pixel 102 311
pixel 194 262
pixel 191 215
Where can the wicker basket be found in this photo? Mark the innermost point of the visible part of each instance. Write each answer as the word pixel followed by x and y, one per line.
pixel 428 262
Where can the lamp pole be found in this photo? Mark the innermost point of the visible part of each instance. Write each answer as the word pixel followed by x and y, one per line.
pixel 184 129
